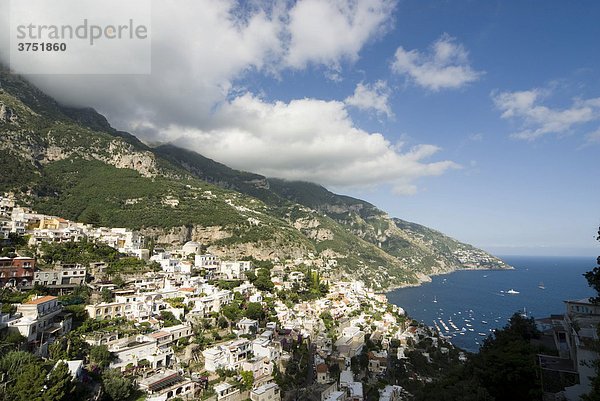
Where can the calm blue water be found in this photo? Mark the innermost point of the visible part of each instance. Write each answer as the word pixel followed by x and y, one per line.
pixel 476 301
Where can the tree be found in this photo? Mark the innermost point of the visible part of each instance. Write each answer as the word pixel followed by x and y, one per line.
pixel 29 384
pixel 231 312
pixel 504 369
pixel 363 359
pixel 334 371
pixel 593 278
pixel 247 379
pixel 13 339
pixel 14 363
pixel 59 385
pixel 100 355
pixel 169 319
pixel 327 319
pixel 254 311
pixel 354 366
pixel 77 348
pixel 118 280
pixel 90 216
pixel 117 386
pixel 57 350
pixel 222 322
pixel 107 295
pixel 263 280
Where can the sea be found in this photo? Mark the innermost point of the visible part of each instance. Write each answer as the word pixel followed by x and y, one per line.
pixel 466 306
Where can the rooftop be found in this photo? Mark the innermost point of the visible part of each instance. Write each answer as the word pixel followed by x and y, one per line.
pixel 40 300
pixel 161 381
pixel 222 386
pixel 263 389
pixel 159 334
pixel 175 328
pixel 557 364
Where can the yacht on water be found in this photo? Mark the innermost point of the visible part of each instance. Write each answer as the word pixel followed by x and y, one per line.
pixel 511 291
pixel 541 285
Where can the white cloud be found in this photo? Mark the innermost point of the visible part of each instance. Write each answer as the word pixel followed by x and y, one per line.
pixel 405 189
pixel 375 97
pixel 537 120
pixel 308 139
pixel 200 48
pixel 446 66
pixel 201 51
pixel 593 138
pixel 326 32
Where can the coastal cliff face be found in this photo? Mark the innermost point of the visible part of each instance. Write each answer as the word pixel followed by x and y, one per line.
pixel 67 162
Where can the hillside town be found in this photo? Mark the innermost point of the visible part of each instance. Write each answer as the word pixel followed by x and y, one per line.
pixel 182 324
pixel 125 318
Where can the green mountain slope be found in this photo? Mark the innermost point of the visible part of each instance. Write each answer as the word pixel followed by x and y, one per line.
pixel 67 161
pixel 415 247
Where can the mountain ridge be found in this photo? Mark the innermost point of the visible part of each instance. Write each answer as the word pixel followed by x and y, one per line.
pixel 67 161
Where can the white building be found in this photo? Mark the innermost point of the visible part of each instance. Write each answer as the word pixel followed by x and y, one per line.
pixel 75 367
pixel 191 247
pixel 210 263
pixel 260 366
pixel 391 393
pixel 265 347
pixel 203 306
pixel 235 270
pixel 227 392
pixel 62 274
pixel 40 320
pixel 229 355
pixel 575 336
pixel 267 392
pixel 120 238
pixel 167 385
pixel 248 326
pixel 153 349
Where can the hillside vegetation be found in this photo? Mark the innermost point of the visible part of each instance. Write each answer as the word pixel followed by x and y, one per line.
pixel 69 162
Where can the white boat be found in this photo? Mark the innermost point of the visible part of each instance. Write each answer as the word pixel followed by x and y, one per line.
pixel 511 291
pixel 434 299
pixel 541 285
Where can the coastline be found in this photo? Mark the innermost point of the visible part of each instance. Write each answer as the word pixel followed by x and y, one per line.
pixel 481 298
pixel 428 277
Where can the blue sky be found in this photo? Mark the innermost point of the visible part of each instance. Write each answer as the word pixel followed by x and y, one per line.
pixel 480 119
